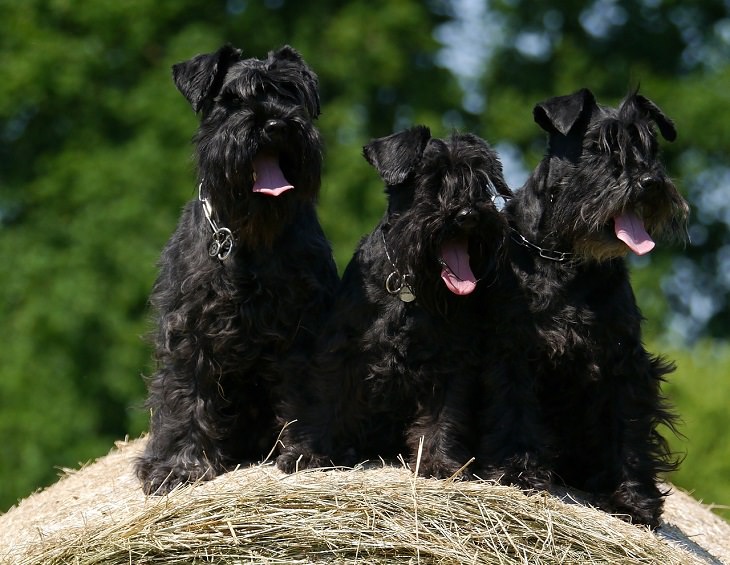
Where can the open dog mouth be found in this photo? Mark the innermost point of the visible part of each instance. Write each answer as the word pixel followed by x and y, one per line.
pixel 455 268
pixel 629 228
pixel 268 176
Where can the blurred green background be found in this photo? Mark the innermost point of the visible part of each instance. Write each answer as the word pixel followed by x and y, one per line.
pixel 96 162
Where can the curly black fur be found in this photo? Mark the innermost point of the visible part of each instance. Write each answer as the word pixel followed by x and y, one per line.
pixel 599 388
pixel 232 333
pixel 448 368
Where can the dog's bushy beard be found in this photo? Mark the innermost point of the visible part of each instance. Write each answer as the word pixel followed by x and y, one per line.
pixel 446 263
pixel 230 148
pixel 598 208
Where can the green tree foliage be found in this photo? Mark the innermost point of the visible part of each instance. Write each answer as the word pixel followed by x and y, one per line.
pixel 95 164
pixel 701 392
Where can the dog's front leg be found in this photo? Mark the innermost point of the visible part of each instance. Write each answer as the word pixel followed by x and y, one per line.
pixel 185 438
pixel 642 453
pixel 442 424
pixel 188 400
pixel 512 439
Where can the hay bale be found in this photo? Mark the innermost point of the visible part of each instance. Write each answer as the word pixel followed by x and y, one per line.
pixel 98 514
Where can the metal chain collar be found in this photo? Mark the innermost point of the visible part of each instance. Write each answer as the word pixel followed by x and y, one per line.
pixel 221 244
pixel 395 283
pixel 549 254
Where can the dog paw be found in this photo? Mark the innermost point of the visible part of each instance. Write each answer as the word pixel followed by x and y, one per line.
pixel 159 479
pixel 527 479
pixel 634 504
pixel 293 461
pixel 523 472
pixel 441 468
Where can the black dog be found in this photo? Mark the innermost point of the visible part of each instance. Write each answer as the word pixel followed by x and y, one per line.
pixel 418 343
pixel 598 194
pixel 246 276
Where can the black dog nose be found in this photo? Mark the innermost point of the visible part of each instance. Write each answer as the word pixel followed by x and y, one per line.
pixel 649 182
pixel 274 128
pixel 467 218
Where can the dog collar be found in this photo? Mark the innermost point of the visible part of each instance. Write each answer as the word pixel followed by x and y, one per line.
pixel 221 244
pixel 549 254
pixel 395 282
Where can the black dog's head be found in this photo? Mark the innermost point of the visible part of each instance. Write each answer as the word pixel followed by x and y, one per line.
pixel 258 150
pixel 602 190
pixel 441 227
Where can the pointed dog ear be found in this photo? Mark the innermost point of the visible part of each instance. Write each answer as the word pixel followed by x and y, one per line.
pixel 561 113
pixel 650 110
pixel 287 53
pixel 200 79
pixel 396 156
pixel 309 80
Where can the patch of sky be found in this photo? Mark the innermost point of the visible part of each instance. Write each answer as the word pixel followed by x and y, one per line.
pixel 601 17
pixel 468 41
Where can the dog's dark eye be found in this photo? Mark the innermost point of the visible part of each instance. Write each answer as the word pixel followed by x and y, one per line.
pixel 288 91
pixel 230 100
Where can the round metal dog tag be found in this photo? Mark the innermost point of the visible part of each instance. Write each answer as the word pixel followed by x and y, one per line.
pixel 215 248
pixel 406 294
pixel 397 284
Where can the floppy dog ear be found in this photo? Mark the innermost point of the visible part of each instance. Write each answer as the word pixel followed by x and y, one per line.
pixel 309 79
pixel 200 78
pixel 651 110
pixel 397 155
pixel 561 113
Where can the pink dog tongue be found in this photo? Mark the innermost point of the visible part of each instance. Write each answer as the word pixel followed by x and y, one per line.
pixel 269 178
pixel 630 229
pixel 457 274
